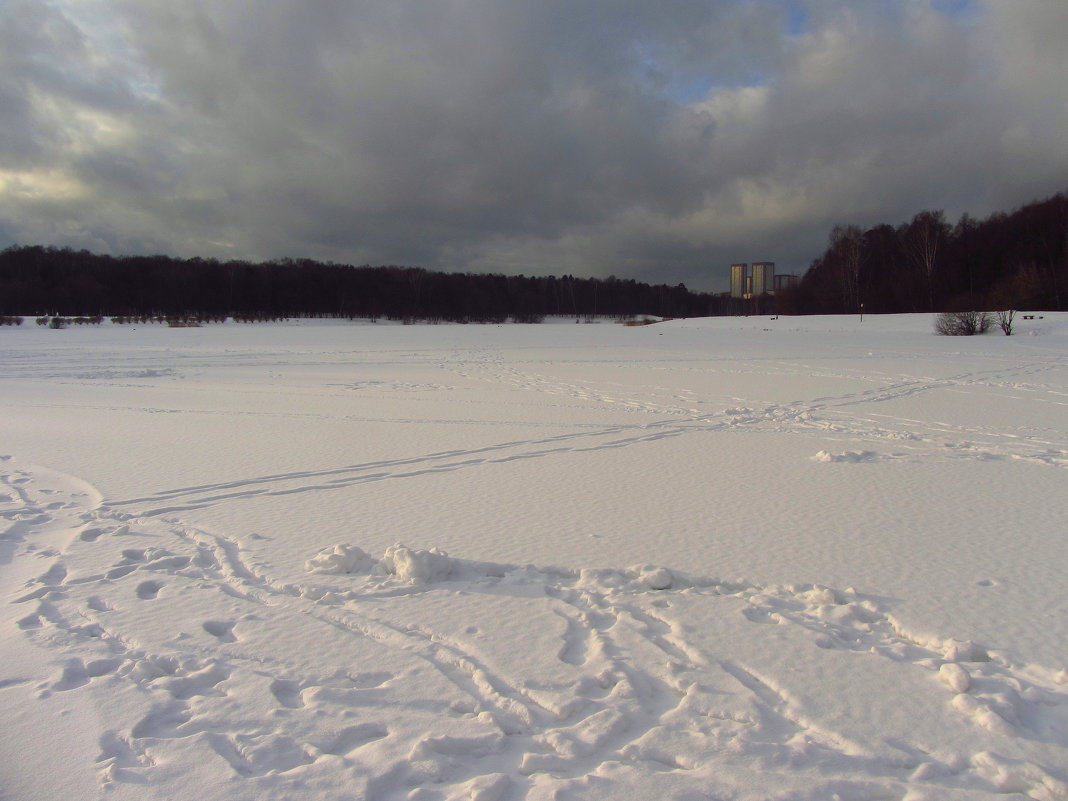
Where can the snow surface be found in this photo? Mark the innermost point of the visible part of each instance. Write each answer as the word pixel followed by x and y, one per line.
pixel 803 558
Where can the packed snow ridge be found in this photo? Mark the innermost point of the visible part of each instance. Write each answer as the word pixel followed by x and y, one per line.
pixel 418 566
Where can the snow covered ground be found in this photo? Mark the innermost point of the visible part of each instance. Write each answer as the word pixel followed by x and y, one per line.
pixel 804 558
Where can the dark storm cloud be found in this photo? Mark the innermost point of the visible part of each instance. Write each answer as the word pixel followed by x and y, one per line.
pixel 660 141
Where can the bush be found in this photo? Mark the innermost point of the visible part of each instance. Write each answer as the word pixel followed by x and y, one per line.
pixel 1005 319
pixel 962 324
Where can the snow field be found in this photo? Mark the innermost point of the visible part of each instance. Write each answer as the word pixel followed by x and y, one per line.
pixel 694 559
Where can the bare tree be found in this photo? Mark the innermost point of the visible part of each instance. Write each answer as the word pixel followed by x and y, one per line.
pixel 1005 319
pixel 847 247
pixel 921 239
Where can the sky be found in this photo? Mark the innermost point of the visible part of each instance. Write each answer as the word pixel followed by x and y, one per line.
pixel 656 141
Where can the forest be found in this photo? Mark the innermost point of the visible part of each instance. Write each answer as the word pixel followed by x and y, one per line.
pixel 46 281
pixel 1013 260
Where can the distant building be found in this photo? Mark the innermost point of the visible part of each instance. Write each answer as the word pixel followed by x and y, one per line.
pixel 739 280
pixel 763 281
pixel 746 284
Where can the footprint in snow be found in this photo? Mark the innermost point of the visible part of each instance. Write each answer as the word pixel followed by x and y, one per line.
pixel 288 693
pixel 147 590
pixel 98 604
pixel 353 737
pixel 221 629
pixel 54 576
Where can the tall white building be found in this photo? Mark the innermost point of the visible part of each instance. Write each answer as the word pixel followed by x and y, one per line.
pixel 739 280
pixel 763 277
pixel 759 281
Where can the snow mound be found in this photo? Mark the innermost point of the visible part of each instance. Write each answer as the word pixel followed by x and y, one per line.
pixel 415 564
pixel 338 559
pixel 656 578
pixel 426 566
pixel 956 677
pixel 848 456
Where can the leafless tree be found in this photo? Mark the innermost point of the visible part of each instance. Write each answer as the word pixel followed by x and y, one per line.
pixel 1005 319
pixel 921 239
pixel 847 245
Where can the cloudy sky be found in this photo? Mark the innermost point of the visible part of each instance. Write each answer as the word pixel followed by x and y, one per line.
pixel 654 140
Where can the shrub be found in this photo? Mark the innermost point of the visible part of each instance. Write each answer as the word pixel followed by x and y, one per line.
pixel 1005 321
pixel 962 324
pixel 528 318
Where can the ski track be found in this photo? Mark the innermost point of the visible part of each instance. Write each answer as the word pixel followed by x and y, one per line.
pixel 830 417
pixel 639 691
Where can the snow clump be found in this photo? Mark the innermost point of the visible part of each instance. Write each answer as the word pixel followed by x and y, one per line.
pixel 955 677
pixel 656 578
pixel 338 559
pixel 415 564
pixel 849 456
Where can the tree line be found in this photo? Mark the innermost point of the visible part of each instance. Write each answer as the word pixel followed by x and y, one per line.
pixel 1015 260
pixel 37 280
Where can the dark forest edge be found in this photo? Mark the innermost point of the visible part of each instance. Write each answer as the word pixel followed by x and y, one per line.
pixel 49 282
pixel 1016 260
